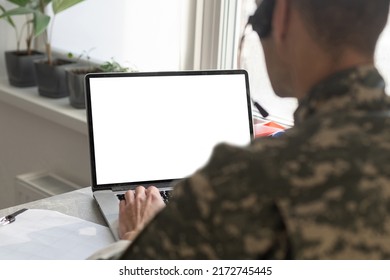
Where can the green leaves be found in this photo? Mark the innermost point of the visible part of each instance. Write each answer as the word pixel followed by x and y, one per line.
pixel 41 21
pixel 21 3
pixel 36 17
pixel 17 11
pixel 7 18
pixel 113 66
pixel 61 5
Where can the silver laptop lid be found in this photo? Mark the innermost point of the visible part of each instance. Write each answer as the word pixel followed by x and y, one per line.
pixel 146 128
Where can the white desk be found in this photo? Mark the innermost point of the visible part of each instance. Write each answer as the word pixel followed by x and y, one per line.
pixel 79 203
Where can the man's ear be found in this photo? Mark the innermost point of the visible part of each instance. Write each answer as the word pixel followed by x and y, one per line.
pixel 280 21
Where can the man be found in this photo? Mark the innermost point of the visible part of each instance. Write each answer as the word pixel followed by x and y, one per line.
pixel 322 190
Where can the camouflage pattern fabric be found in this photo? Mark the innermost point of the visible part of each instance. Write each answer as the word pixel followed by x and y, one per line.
pixel 320 191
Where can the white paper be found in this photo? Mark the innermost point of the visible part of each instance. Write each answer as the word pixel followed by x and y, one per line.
pixel 49 235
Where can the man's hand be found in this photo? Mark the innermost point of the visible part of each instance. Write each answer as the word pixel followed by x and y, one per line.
pixel 136 211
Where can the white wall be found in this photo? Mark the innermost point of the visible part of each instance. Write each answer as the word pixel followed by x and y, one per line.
pixel 29 143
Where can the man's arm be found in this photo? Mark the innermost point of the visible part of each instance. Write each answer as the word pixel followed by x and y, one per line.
pixel 219 212
pixel 138 209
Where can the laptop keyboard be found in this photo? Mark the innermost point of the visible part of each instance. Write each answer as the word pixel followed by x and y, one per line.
pixel 164 194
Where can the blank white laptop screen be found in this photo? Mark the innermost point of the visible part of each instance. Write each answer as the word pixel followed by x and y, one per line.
pixel 164 127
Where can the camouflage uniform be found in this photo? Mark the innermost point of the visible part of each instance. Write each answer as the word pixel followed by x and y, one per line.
pixel 321 191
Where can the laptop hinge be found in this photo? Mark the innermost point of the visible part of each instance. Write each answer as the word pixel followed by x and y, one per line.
pixel 122 188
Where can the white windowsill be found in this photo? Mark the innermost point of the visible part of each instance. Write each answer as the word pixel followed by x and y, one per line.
pixel 55 110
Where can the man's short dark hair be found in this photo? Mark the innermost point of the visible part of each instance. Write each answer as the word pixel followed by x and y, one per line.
pixel 345 23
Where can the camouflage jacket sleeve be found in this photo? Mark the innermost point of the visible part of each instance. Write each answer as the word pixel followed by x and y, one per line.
pixel 213 215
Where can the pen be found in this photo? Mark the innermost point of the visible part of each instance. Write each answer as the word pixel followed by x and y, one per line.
pixel 11 217
pixel 261 110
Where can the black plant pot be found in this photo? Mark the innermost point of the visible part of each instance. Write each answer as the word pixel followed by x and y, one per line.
pixel 20 67
pixel 51 78
pixel 76 85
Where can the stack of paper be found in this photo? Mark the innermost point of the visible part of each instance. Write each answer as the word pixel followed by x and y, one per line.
pixel 50 235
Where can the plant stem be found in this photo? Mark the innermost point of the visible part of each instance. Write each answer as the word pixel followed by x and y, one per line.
pixel 48 52
pixel 29 37
pixel 47 41
pixel 28 43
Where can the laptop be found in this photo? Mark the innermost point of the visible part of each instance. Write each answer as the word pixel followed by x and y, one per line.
pixel 156 128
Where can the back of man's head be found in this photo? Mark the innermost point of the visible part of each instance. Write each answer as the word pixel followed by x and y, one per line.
pixel 338 24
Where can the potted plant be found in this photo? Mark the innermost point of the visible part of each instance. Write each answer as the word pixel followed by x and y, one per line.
pixel 19 63
pixel 75 78
pixel 50 71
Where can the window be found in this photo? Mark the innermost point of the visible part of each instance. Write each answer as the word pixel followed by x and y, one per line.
pixel 149 35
